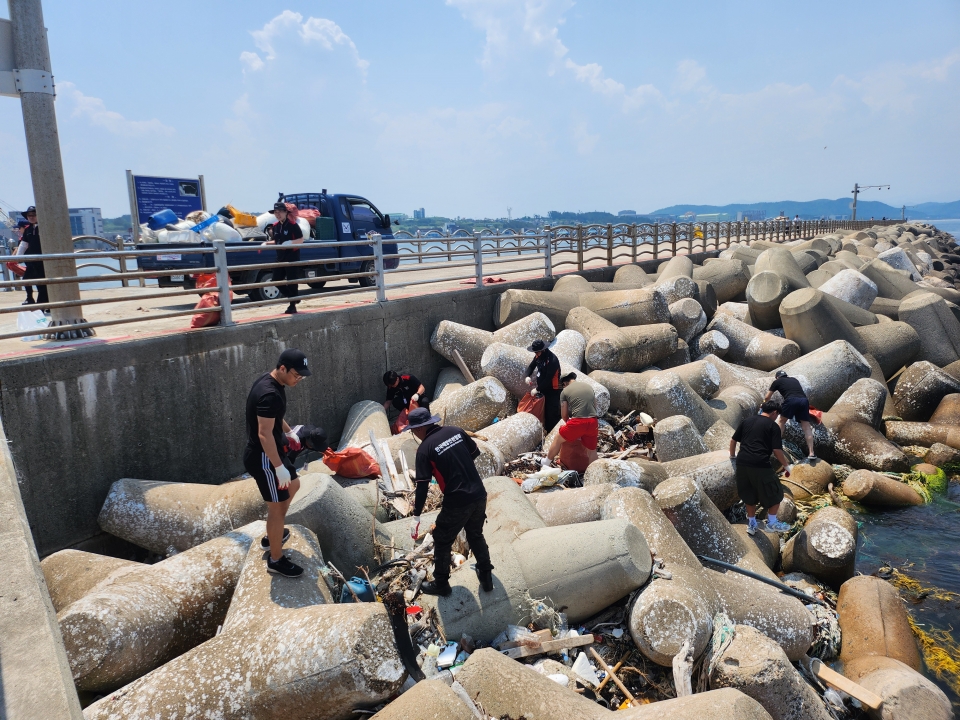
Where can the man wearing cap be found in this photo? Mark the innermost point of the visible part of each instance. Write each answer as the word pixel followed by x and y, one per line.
pixel 30 245
pixel 544 370
pixel 288 234
pixel 404 391
pixel 795 406
pixel 578 410
pixel 265 457
pixel 447 454
pixel 757 483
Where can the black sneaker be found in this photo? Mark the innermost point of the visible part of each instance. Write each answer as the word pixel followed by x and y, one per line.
pixel 435 588
pixel 486 580
pixel 284 567
pixel 265 541
pixel 291 309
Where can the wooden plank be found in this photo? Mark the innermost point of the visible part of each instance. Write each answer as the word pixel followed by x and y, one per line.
pixel 463 366
pixel 398 482
pixel 542 635
pixel 384 470
pixel 613 675
pixel 550 647
pixel 840 682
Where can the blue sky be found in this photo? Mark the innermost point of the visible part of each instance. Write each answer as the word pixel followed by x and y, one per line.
pixel 468 107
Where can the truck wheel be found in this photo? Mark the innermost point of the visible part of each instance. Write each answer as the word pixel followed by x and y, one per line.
pixel 367 281
pixel 265 293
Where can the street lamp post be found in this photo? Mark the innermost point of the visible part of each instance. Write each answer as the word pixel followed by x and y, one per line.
pixel 857 189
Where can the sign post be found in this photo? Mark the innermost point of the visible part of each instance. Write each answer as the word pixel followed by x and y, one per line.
pixel 150 194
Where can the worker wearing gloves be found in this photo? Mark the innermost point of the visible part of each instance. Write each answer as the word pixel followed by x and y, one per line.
pixel 578 410
pixel 757 483
pixel 795 406
pixel 447 454
pixel 265 457
pixel 30 245
pixel 404 392
pixel 288 234
pixel 544 371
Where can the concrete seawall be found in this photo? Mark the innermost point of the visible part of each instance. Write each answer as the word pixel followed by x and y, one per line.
pixel 171 407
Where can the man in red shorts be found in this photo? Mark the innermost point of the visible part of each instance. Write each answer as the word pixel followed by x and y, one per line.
pixel 578 410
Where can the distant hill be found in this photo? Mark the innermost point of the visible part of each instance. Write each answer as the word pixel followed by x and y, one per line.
pixel 112 226
pixel 813 209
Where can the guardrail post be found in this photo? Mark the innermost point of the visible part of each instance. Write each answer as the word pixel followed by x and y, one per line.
pixel 223 282
pixel 377 240
pixel 673 239
pixel 547 252
pixel 478 257
pixel 609 245
pixel 633 243
pixel 579 246
pixel 656 240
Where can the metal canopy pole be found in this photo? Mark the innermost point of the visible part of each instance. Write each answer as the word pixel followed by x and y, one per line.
pixel 35 84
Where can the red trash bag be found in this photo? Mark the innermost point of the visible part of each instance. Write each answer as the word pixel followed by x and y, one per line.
pixel 17 269
pixel 532 405
pixel 351 463
pixel 816 416
pixel 573 456
pixel 209 318
pixel 400 424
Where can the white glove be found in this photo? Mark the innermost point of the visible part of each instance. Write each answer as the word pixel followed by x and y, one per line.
pixel 534 393
pixel 294 439
pixel 415 527
pixel 416 397
pixel 528 381
pixel 786 471
pixel 283 477
pixel 545 462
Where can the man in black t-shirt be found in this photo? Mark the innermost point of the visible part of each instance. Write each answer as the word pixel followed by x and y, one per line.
pixel 30 245
pixel 757 483
pixel 447 454
pixel 287 234
pixel 544 370
pixel 795 406
pixel 265 456
pixel 404 391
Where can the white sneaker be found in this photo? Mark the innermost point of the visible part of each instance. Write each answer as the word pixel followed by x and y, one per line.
pixel 779 527
pixel 751 529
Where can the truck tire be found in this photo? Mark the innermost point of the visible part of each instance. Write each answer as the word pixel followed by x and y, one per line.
pixel 317 284
pixel 265 293
pixel 367 281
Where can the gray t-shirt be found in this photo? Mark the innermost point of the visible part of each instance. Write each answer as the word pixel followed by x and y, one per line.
pixel 581 402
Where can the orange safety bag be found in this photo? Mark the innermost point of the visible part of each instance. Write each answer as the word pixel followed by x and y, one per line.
pixel 208 318
pixel 533 405
pixel 351 463
pixel 17 269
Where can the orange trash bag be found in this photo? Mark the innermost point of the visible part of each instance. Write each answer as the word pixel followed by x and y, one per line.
pixel 351 463
pixel 816 416
pixel 209 318
pixel 533 405
pixel 573 456
pixel 400 424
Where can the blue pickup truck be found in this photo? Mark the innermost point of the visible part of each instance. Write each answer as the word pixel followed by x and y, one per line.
pixel 342 218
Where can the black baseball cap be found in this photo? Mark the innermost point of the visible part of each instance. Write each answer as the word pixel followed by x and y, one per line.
pixel 279 206
pixel 421 417
pixel 313 437
pixel 538 345
pixel 294 359
pixel 780 374
pixel 31 209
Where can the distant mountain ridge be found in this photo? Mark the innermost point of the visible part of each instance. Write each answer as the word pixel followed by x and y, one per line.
pixel 823 208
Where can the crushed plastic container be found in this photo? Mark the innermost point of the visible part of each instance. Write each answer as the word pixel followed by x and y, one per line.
pixel 361 588
pixel 160 219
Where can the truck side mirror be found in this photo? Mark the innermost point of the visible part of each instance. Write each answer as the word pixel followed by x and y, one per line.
pixel 386 221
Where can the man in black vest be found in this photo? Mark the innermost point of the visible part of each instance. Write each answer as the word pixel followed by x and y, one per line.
pixel 288 234
pixel 30 245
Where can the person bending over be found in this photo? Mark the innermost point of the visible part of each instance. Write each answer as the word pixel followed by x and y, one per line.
pixel 795 406
pixel 578 411
pixel 544 370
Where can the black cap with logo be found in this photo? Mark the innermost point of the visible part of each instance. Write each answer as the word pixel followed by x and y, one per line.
pixel 537 346
pixel 294 359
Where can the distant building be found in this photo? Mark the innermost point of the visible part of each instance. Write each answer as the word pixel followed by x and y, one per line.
pixel 712 217
pixel 751 215
pixel 86 221
pixel 397 216
pixel 420 214
pixel 627 212
pixel 450 227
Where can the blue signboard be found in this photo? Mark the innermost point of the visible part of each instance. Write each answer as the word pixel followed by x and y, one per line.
pixel 182 195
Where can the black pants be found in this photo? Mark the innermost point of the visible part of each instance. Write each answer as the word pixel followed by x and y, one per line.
pixel 35 272
pixel 287 273
pixel 551 409
pixel 450 522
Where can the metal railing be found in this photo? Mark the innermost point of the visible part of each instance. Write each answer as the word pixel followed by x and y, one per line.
pixel 479 258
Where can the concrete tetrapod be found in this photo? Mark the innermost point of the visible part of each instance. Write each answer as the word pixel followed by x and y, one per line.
pixel 688 318
pixel 765 291
pixel 677 288
pixel 893 344
pixel 572 284
pixel 628 348
pixel 667 394
pixel 723 704
pixel 753 347
pixel 632 275
pixel 712 342
pixel 891 283
pixel 470 342
pixel 907 695
pixel 852 286
pixel 920 389
pixel 569 346
pixel 363 418
pixel 677 437
pixel 570 506
pixel 677 266
pixel 449 379
pixel 515 435
pixel 285 651
pixel 758 667
pixel 140 617
pixel 938 329
pixel 609 556
pixel 668 612
pixel 621 307
pixel 474 406
pixel 898 259
pixel 636 472
pixel 508 689
pixel 827 372
pixel 781 261
pixel 876 490
pixel 165 516
pixel 427 700
pixel 736 402
pixel 707 532
pixel 71 574
pixel 811 321
pixel 826 547
pixel 728 277
pixel 712 472
pixel 808 479
pixel 874 621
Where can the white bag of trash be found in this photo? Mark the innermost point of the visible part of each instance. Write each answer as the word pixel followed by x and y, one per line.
pixel 545 477
pixel 32 320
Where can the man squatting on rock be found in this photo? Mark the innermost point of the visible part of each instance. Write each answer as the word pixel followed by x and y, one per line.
pixel 578 410
pixel 795 406
pixel 264 457
pixel 545 369
pixel 447 453
pixel 757 483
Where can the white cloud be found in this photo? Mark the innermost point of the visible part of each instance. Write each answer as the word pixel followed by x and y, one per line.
pixel 584 141
pixel 290 24
pixel 251 60
pixel 690 76
pixel 95 111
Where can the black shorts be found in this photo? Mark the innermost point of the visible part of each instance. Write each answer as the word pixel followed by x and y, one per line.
pixel 259 466
pixel 796 408
pixel 758 486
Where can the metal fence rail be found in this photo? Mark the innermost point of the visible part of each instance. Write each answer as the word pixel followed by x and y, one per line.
pixel 480 255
